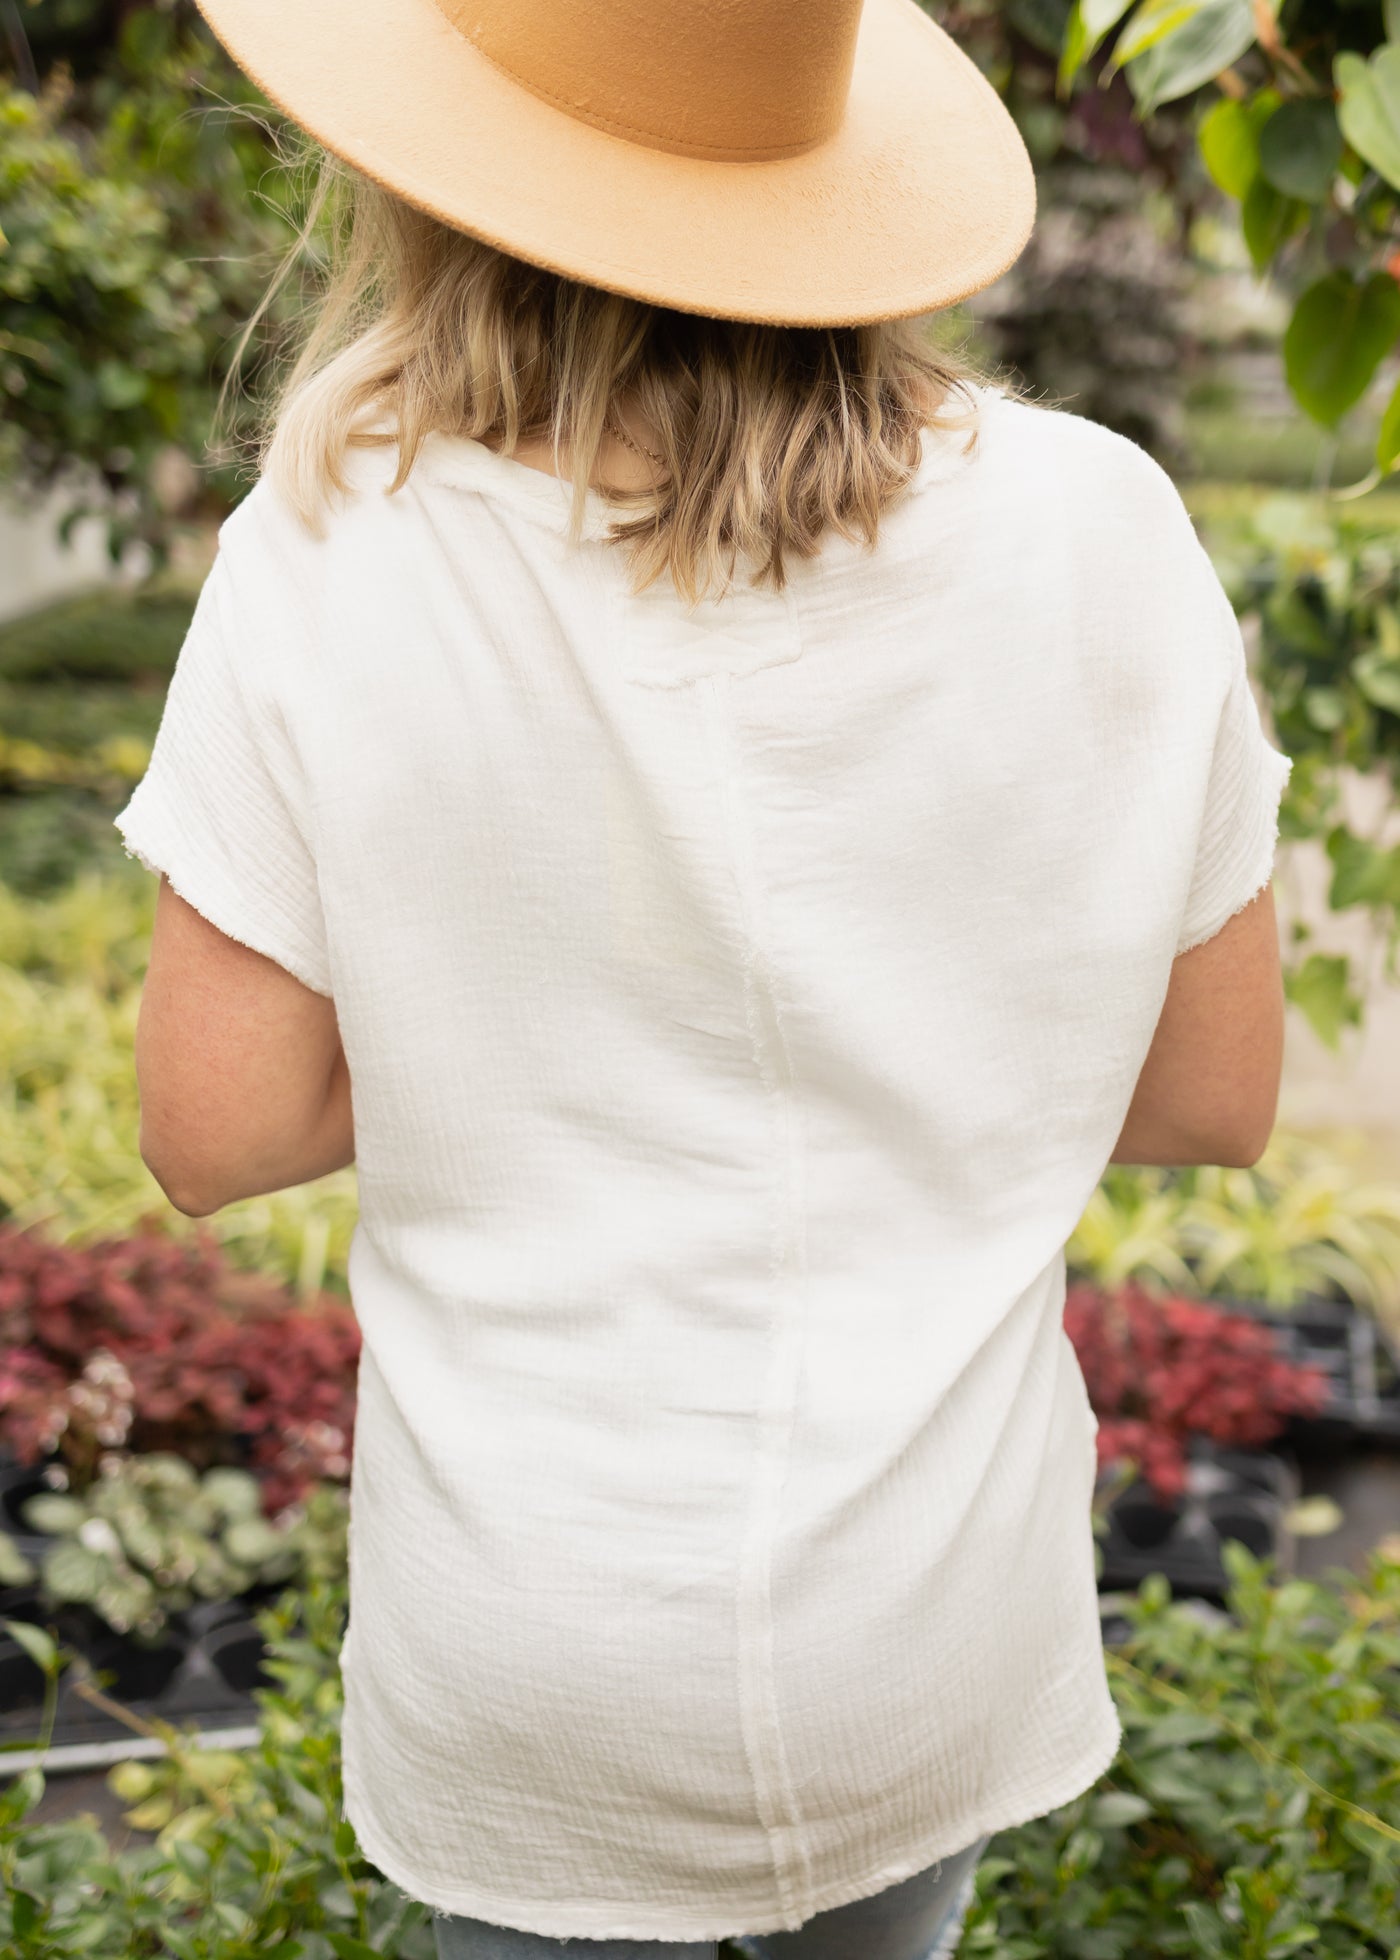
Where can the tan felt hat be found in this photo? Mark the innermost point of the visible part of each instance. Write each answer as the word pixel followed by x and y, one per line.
pixel 801 162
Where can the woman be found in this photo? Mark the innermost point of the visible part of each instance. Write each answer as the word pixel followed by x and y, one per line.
pixel 731 820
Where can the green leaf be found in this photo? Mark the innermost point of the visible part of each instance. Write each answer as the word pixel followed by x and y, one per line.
pixel 1100 15
pixel 1075 51
pixel 1341 330
pixel 1115 1808
pixel 1325 707
pixel 1361 874
pixel 233 1492
pixel 1268 219
pixel 15 1568
pixel 346 1948
pixel 40 1646
pixel 53 1513
pixel 1182 1727
pixel 1300 147
pixel 92 1935
pixel 1228 136
pixel 120 386
pixel 253 1540
pixel 1391 16
pixel 1153 22
pixel 1320 989
pixel 194 1861
pixel 1377 674
pixel 1207 1936
pixel 24 1913
pixel 18 1798
pixel 70 1571
pixel 1218 33
pixel 1388 436
pixel 1382 1737
pixel 1171 1786
pixel 1368 107
pixel 1089 21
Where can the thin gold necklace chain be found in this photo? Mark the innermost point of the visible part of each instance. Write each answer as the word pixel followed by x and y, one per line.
pixel 613 429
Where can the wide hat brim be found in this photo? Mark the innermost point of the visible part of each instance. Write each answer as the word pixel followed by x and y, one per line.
pixel 923 196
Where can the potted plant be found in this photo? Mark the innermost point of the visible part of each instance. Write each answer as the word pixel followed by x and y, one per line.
pixel 153 1574
pixel 155 1344
pixel 1186 1395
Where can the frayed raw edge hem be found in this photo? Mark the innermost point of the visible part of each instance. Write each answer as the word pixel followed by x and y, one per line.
pixel 1266 878
pixel 1219 925
pixel 288 964
pixel 990 1822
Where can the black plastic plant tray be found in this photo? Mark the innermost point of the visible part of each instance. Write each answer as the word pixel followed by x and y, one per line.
pixel 1239 1494
pixel 200 1673
pixel 1357 1356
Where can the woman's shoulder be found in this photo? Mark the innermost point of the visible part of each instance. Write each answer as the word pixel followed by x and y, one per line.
pixel 1073 451
pixel 1095 490
pixel 276 531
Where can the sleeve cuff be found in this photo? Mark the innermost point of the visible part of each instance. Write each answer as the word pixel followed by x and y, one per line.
pixel 1246 850
pixel 154 841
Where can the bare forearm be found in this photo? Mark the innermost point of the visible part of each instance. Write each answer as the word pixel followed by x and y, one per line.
pixel 1150 1138
pixel 330 1146
pixel 326 1144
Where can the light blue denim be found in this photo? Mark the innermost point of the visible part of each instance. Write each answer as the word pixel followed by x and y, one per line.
pixel 920 1918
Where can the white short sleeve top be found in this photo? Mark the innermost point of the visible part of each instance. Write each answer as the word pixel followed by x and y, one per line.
pixel 741 1007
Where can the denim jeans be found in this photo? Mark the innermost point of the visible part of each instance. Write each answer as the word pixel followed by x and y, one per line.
pixel 920 1918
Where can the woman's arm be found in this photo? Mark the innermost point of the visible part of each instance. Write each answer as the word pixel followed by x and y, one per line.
pixel 1208 1091
pixel 244 1084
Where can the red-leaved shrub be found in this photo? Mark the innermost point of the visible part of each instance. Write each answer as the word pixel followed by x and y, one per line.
pixel 1160 1369
pixel 156 1343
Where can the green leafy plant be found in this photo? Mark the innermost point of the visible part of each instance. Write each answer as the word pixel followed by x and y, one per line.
pixel 1131 1229
pixel 1302 137
pixel 149 1537
pixel 81 689
pixel 71 966
pixel 1323 582
pixel 109 636
pixel 1253 1811
pixel 251 1859
pixel 103 327
pixel 1301 1221
pixel 141 224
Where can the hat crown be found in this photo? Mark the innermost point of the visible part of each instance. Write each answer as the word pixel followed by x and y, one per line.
pixel 737 80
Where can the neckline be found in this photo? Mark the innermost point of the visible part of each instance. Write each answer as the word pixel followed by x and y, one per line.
pixel 464 462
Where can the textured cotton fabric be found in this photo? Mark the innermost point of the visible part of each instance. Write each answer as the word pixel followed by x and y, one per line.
pixel 741 1009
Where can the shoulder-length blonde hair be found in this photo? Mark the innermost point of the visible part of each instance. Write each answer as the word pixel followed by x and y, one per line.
pixel 770 435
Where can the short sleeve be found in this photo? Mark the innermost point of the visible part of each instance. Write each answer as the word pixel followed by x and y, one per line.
pixel 222 807
pixel 1238 832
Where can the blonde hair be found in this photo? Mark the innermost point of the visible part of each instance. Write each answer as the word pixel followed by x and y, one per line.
pixel 770 435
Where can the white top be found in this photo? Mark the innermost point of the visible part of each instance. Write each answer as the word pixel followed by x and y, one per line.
pixel 741 1011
